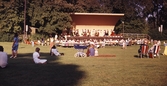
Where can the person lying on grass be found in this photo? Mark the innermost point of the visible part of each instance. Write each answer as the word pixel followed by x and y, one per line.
pixel 36 57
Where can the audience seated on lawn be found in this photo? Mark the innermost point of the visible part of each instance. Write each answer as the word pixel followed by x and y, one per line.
pixel 54 51
pixel 36 57
pixel 3 58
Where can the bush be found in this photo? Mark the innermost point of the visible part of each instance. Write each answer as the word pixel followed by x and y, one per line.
pixel 156 35
pixel 37 36
pixel 6 37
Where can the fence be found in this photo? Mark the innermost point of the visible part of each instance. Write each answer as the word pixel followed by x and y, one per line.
pixel 136 36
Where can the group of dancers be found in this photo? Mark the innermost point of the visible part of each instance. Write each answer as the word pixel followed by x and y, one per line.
pixel 151 52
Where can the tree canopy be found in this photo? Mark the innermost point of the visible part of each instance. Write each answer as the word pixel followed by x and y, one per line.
pixel 52 16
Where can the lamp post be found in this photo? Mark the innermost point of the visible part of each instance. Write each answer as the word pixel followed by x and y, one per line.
pixel 123 28
pixel 25 36
pixel 160 29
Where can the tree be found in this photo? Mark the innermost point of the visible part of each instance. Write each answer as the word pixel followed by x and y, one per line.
pixel 46 17
pixel 52 16
pixel 11 16
pixel 136 14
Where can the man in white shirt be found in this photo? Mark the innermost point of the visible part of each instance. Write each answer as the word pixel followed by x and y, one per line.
pixel 3 58
pixel 36 57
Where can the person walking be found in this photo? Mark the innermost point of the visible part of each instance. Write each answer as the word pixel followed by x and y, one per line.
pixel 15 46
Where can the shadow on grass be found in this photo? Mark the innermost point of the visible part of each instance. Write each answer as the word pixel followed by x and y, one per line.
pixel 136 56
pixel 23 72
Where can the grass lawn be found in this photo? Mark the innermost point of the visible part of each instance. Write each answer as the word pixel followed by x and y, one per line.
pixel 123 70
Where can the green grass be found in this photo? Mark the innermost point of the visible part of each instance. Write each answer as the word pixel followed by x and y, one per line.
pixel 123 70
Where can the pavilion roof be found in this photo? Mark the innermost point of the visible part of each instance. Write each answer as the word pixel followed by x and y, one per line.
pixel 107 14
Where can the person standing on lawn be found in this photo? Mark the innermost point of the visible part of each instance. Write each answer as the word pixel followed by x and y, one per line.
pixel 15 46
pixel 51 42
pixel 3 58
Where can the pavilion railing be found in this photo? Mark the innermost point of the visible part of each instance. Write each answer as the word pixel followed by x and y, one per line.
pixel 136 36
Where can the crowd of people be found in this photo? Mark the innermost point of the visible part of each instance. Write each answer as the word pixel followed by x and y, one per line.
pixel 92 48
pixel 95 33
pixel 99 42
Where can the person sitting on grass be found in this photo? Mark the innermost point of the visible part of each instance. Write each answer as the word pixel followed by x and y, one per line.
pixel 91 50
pixel 54 51
pixel 3 58
pixel 36 57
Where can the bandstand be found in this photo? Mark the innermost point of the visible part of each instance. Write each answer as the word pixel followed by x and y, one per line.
pixel 94 25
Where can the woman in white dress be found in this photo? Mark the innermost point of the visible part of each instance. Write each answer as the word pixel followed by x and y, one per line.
pixel 36 57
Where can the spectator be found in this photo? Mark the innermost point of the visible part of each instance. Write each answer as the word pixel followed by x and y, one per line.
pixel 15 46
pixel 124 44
pixel 3 58
pixel 159 42
pixel 42 41
pixel 32 43
pixel 51 42
pixel 92 49
pixel 36 57
pixel 96 52
pixel 54 51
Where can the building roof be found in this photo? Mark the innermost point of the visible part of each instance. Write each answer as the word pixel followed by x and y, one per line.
pixel 95 18
pixel 107 14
